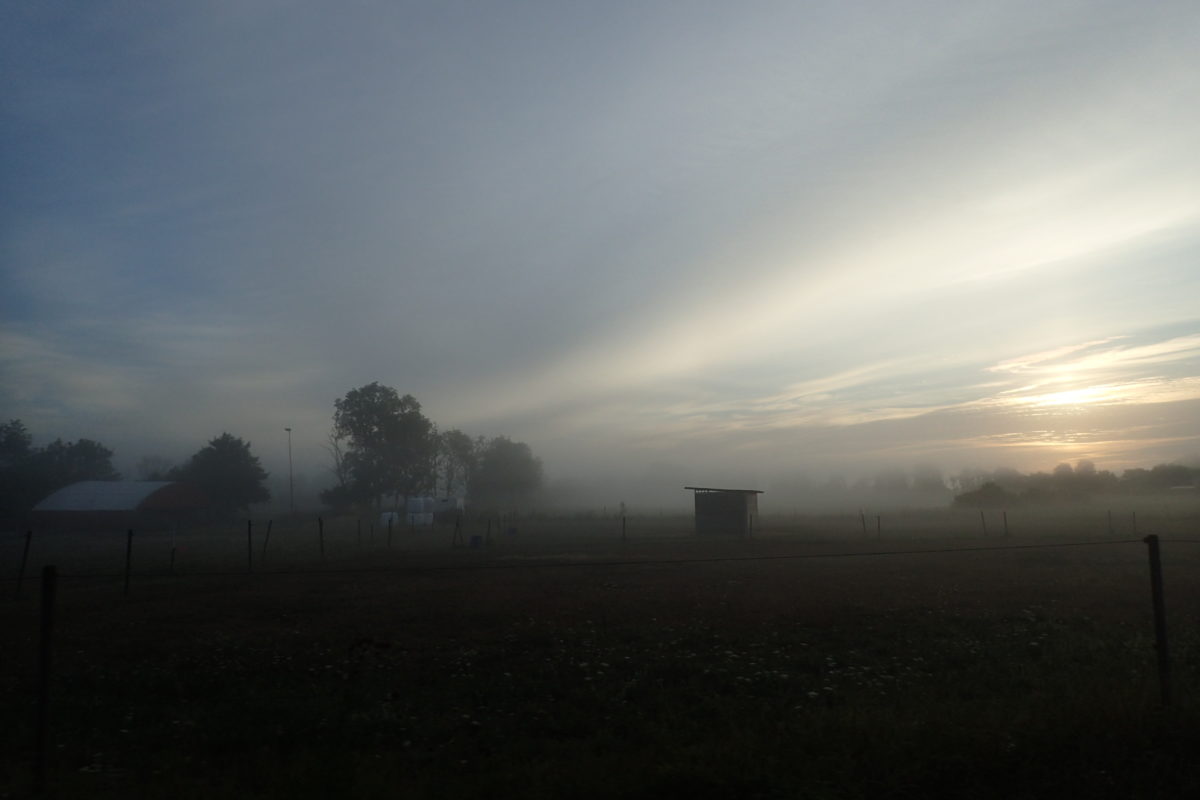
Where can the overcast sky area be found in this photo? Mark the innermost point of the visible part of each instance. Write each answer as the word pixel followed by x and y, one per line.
pixel 722 241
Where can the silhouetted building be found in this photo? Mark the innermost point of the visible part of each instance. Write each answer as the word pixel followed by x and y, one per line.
pixel 114 505
pixel 728 512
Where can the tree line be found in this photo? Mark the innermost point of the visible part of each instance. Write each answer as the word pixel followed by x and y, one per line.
pixel 385 450
pixel 229 474
pixel 1008 487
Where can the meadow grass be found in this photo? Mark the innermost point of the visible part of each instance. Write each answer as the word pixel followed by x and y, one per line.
pixel 554 663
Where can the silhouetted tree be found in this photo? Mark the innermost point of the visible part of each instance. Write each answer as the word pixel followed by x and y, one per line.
pixel 391 447
pixel 70 462
pixel 19 487
pixel 508 472
pixel 153 468
pixel 16 443
pixel 457 459
pixel 228 472
pixel 1170 476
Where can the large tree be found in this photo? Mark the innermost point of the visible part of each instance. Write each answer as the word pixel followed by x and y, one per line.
pixel 390 446
pixel 507 474
pixel 70 462
pixel 228 472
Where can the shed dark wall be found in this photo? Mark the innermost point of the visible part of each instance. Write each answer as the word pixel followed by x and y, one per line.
pixel 725 512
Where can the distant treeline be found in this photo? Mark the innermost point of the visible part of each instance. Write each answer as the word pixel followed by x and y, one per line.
pixel 1066 484
pixel 230 476
pixel 28 473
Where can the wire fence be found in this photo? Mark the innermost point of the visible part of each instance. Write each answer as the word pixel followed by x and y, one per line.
pixel 546 563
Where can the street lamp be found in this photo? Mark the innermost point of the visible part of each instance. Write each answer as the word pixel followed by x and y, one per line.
pixel 291 483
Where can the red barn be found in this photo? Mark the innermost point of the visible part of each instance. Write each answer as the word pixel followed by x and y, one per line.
pixel 115 505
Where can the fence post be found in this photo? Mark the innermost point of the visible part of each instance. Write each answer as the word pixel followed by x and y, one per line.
pixel 249 546
pixel 983 521
pixel 41 755
pixel 24 561
pixel 862 516
pixel 267 540
pixel 1160 620
pixel 1005 514
pixel 878 526
pixel 389 531
pixel 128 557
pixel 622 528
pixel 321 535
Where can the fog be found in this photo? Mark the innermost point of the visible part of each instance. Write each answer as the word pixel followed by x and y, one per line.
pixel 778 246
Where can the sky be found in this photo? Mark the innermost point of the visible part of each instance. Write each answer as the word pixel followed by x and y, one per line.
pixel 725 242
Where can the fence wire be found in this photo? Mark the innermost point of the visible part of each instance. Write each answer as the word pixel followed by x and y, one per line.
pixel 551 564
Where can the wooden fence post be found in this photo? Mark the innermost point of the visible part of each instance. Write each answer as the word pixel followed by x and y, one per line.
pixel 1160 620
pixel 863 517
pixel 623 537
pixel 128 558
pixel 41 755
pixel 267 540
pixel 983 521
pixel 24 561
pixel 321 535
pixel 1005 514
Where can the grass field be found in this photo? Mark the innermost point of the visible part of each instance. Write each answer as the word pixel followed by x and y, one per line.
pixel 561 660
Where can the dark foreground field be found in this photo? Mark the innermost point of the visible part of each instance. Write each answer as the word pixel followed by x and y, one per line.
pixel 570 664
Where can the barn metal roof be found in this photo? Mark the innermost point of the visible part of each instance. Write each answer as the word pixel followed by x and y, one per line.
pixel 710 489
pixel 102 496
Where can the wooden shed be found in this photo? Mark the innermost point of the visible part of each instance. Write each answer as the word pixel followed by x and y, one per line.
pixel 726 512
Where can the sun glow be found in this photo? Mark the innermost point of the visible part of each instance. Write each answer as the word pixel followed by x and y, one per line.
pixel 1086 395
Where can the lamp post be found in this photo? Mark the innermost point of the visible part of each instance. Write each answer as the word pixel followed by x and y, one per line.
pixel 291 483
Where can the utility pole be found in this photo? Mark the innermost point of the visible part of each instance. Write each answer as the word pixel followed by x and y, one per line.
pixel 291 481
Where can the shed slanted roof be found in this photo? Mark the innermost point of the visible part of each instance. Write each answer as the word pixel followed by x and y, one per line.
pixel 734 491
pixel 106 496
